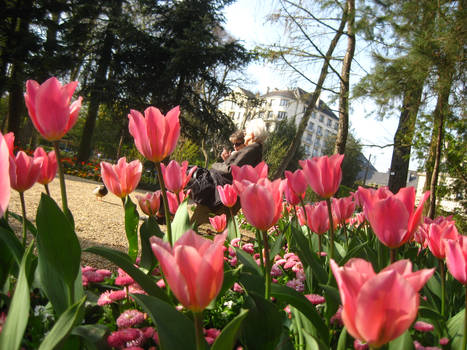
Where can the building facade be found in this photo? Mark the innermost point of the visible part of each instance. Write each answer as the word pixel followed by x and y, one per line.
pixel 278 105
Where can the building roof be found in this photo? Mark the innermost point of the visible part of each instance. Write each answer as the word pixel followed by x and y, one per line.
pixel 248 93
pixel 300 94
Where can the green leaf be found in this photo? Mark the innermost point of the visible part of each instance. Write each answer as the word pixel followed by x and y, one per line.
pixel 262 327
pixel 123 261
pixel 176 331
pixel 228 336
pixel 18 314
pixel 342 342
pixel 352 253
pixel 181 222
pixel 252 282
pixel 67 320
pixel 276 246
pixel 333 300
pixel 13 243
pixel 131 227
pixel 403 342
pixel 29 225
pixel 232 229
pixel 148 229
pixel 290 296
pixel 249 264
pixel 455 327
pixel 59 253
pixel 93 335
pixel 308 257
pixel 230 277
pixel 310 341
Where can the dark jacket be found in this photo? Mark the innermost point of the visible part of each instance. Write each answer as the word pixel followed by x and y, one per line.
pixel 203 189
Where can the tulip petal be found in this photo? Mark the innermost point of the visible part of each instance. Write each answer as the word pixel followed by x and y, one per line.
pixel 4 176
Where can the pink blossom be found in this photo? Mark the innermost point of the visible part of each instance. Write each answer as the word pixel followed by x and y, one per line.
pixel 276 271
pixel 296 284
pixel 211 334
pixel 123 278
pixel 104 298
pixel 125 337
pixel 422 326
pixel 116 295
pixel 237 288
pixel 249 248
pixel 358 345
pixel 130 318
pixel 315 299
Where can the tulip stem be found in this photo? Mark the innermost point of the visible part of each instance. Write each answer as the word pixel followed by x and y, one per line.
pixel 260 247
pixel 267 266
pixel 23 211
pixel 198 320
pixel 61 178
pixel 464 340
pixel 392 254
pixel 442 275
pixel 331 230
pixel 235 225
pixel 165 201
pixel 320 246
pixel 46 186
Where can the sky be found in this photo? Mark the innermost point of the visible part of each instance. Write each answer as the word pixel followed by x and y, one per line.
pixel 246 20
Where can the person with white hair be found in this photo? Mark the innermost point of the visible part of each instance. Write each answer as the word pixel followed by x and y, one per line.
pixel 204 185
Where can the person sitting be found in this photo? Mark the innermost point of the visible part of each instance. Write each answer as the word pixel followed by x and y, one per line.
pixel 204 186
pixel 238 141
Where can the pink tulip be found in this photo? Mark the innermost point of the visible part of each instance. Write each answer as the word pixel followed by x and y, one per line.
pixel 323 174
pixel 365 195
pixel 297 182
pixel 10 139
pixel 175 176
pixel 122 178
pixel 24 171
pixel 437 233
pixel 4 175
pixel 378 308
pixel 248 173
pixel 49 107
pixel 393 218
pixel 316 218
pixel 261 202
pixel 155 135
pixel 290 195
pixel 49 165
pixel 227 195
pixel 219 222
pixel 343 208
pixel 150 202
pixel 193 268
pixel 456 258
pixel 174 200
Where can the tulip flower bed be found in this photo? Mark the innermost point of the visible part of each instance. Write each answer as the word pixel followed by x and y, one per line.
pixel 359 272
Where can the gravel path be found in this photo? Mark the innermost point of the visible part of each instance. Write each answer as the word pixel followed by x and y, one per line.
pixel 97 222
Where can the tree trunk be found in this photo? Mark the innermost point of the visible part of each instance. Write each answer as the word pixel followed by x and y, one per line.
pixel 403 139
pixel 343 131
pixel 297 140
pixel 98 88
pixel 439 116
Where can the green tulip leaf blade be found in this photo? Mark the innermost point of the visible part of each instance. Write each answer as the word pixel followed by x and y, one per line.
pixel 181 222
pixel 228 336
pixel 131 227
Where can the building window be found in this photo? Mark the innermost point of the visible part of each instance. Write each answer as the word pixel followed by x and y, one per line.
pixel 336 125
pixel 329 122
pixel 239 115
pixel 281 115
pixel 284 102
pixel 320 131
pixel 270 102
pixel 313 115
pixel 232 115
pixel 321 118
pixel 261 115
pixel 311 126
pixel 309 138
pixel 304 109
pixel 269 115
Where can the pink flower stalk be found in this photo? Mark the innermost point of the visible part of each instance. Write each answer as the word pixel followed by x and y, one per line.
pixel 317 217
pixel 227 195
pixel 219 223
pixel 125 337
pixel 122 178
pixel 49 165
pixel 315 299
pixel 343 208
pixel 193 267
pixel 422 326
pixel 150 202
pixel 437 233
pixel 123 278
pixel 4 175
pixel 323 174
pixel 378 308
pixel 456 258
pixel 49 107
pixel 393 219
pixel 261 202
pixel 24 171
pixel 248 173
pixel 175 176
pixel 155 135
pixel 130 318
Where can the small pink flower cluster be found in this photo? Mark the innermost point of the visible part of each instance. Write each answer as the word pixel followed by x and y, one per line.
pixel 93 275
pixel 211 334
pixel 132 338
